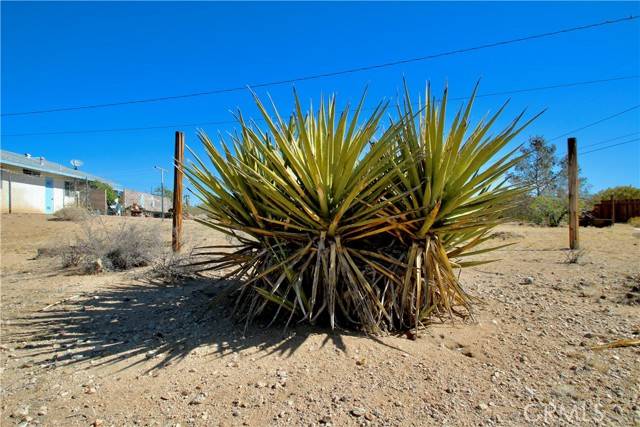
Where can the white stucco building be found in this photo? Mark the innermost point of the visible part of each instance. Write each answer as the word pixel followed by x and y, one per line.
pixel 36 185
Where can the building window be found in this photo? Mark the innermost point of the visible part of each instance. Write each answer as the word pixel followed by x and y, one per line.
pixel 68 188
pixel 30 172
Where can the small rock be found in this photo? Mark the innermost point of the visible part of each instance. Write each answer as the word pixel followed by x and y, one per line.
pixel 281 374
pixel 527 280
pixel 42 411
pixel 482 406
pixel 358 412
pixel 21 412
pixel 261 384
pixel 90 390
pixel 97 423
pixel 198 399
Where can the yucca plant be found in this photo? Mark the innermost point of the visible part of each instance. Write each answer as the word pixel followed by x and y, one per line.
pixel 339 220
pixel 451 192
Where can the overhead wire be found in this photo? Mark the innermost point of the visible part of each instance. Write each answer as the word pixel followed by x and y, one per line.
pixel 326 74
pixel 228 122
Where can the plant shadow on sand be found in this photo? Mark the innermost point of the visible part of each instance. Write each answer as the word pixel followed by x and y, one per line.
pixel 152 322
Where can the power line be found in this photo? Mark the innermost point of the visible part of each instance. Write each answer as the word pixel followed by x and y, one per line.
pixel 611 139
pixel 610 146
pixel 597 122
pixel 127 129
pixel 557 86
pixel 226 122
pixel 332 73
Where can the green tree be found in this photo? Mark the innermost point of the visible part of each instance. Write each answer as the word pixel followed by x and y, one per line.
pixel 543 171
pixel 621 192
pixel 540 169
pixel 545 174
pixel 111 193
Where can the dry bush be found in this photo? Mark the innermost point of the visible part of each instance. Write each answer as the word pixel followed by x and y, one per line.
pixel 72 213
pixel 173 268
pixel 635 221
pixel 121 247
pixel 574 256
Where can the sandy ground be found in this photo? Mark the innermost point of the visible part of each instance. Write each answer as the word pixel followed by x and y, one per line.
pixel 123 351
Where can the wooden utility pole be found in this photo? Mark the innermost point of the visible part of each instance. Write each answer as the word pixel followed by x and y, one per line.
pixel 177 192
pixel 574 241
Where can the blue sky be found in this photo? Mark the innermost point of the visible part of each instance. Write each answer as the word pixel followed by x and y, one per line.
pixel 65 54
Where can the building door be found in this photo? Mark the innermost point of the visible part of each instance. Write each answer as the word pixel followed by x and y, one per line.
pixel 48 195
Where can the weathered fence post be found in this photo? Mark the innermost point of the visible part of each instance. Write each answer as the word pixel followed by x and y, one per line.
pixel 574 241
pixel 177 192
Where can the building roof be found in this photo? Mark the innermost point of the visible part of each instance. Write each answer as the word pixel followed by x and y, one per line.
pixel 43 165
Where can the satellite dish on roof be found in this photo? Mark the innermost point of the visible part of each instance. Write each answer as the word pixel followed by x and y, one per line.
pixel 76 163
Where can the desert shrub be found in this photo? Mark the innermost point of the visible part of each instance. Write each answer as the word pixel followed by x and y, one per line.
pixel 621 192
pixel 635 221
pixel 347 222
pixel 173 268
pixel 72 213
pixel 100 247
pixel 574 256
pixel 548 210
